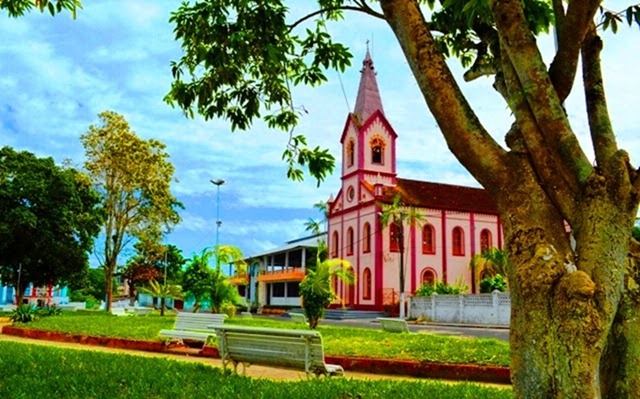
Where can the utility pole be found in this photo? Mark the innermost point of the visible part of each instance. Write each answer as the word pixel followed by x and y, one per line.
pixel 217 183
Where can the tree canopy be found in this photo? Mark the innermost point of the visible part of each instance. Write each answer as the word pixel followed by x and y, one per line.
pixel 133 177
pixel 49 217
pixel 17 8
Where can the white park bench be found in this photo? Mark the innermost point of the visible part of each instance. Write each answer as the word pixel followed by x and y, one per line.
pixel 297 349
pixel 120 312
pixel 141 311
pixel 393 325
pixel 73 306
pixel 298 318
pixel 193 327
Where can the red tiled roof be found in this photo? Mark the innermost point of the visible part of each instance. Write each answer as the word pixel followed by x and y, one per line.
pixel 440 196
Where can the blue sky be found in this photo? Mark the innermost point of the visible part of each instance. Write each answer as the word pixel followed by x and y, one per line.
pixel 57 74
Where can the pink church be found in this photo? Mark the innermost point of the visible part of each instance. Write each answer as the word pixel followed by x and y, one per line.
pixel 458 222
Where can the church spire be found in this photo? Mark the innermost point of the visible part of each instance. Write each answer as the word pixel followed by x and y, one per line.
pixel 368 100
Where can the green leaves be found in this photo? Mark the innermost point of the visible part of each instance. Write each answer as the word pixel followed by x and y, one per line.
pixel 17 8
pixel 240 60
pixel 49 217
pixel 610 19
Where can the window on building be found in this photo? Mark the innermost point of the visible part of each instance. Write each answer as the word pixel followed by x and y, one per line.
pixel 428 239
pixel 395 235
pixel 458 241
pixel 377 150
pixel 485 240
pixel 366 238
pixel 366 283
pixel 428 276
pixel 242 290
pixel 350 152
pixel 350 241
pixel 334 245
pixel 293 289
pixel 277 290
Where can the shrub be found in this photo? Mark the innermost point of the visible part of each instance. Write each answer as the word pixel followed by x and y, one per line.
pixel 50 310
pixel 24 314
pixel 441 288
pixel 495 283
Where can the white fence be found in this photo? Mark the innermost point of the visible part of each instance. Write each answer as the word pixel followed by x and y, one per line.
pixel 483 309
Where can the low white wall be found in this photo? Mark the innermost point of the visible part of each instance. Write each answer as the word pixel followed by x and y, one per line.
pixel 289 301
pixel 483 309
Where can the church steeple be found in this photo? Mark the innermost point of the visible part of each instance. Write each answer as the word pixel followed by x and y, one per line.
pixel 368 100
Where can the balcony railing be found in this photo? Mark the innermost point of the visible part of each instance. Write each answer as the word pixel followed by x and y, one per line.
pixel 286 274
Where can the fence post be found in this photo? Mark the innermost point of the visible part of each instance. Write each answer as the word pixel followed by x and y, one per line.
pixel 496 306
pixel 433 307
pixel 461 308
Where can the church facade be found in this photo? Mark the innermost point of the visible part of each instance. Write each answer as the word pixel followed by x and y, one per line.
pixel 456 222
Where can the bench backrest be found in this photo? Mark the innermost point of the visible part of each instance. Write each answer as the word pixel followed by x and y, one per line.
pixel 197 321
pixel 118 311
pixel 299 349
pixel 393 325
pixel 298 318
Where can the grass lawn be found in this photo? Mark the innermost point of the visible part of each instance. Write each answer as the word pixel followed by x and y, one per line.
pixel 338 340
pixel 44 372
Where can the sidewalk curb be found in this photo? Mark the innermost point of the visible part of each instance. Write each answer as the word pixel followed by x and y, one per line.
pixel 464 372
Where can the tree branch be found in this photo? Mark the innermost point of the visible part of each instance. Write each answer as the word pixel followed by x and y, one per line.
pixel 362 8
pixel 519 45
pixel 604 140
pixel 465 135
pixel 556 180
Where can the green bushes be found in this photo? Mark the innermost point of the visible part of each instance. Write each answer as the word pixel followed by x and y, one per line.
pixel 30 371
pixel 24 314
pixel 441 288
pixel 493 283
pixel 27 313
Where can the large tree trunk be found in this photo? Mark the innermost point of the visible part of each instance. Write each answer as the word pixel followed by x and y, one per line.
pixel 564 301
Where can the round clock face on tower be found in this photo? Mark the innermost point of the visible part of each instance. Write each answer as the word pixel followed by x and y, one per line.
pixel 351 193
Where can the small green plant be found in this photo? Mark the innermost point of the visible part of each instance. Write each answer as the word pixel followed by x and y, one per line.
pixel 494 283
pixel 441 288
pixel 50 310
pixel 24 314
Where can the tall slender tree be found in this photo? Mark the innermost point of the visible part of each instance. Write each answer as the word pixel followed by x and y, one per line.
pixel 133 177
pixel 395 216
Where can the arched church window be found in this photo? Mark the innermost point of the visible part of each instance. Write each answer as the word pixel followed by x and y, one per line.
pixel 350 152
pixel 377 150
pixel 334 245
pixel 395 236
pixel 366 283
pixel 350 241
pixel 366 238
pixel 428 239
pixel 428 276
pixel 485 240
pixel 458 241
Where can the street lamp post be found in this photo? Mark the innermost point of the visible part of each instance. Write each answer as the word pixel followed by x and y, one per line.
pixel 217 183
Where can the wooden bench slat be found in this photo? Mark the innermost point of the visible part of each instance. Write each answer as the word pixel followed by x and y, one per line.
pixel 393 325
pixel 287 348
pixel 193 326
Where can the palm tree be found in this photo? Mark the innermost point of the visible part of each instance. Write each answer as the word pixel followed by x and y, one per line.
pixel 398 214
pixel 316 290
pixel 493 261
pixel 162 291
pixel 197 277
